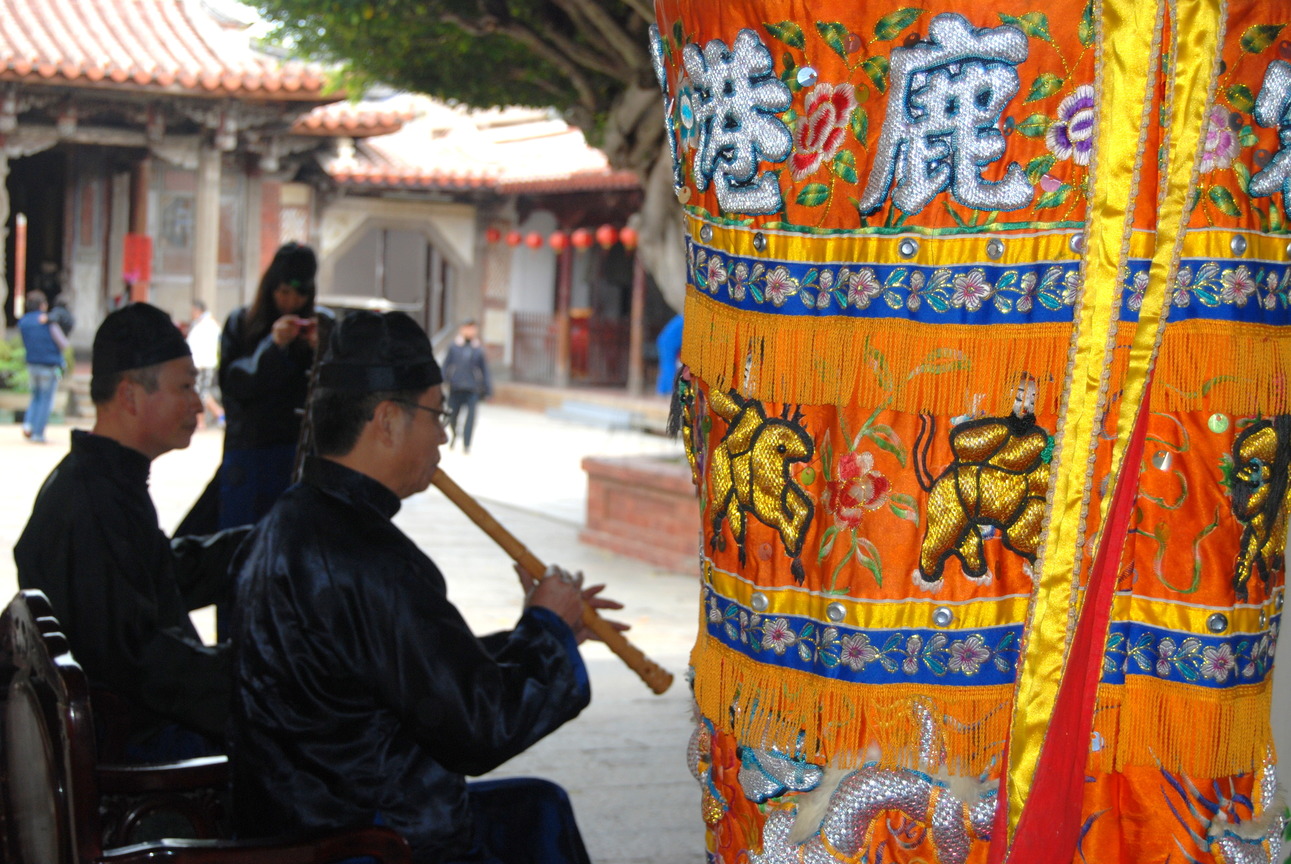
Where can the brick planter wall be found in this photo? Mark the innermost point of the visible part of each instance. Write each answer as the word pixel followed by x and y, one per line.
pixel 644 507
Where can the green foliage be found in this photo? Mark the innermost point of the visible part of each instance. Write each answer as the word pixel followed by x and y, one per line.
pixel 13 365
pixel 508 52
pixel 787 32
pixel 1259 37
pixel 891 25
pixel 1046 85
pixel 835 36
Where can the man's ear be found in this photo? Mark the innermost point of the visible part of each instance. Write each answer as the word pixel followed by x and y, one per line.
pixel 388 420
pixel 128 395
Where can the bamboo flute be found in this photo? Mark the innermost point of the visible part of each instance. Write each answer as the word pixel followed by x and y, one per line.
pixel 655 676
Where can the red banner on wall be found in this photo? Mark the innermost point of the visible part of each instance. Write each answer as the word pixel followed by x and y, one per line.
pixel 137 264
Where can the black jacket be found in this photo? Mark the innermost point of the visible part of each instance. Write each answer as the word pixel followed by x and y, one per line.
pixel 465 368
pixel 122 590
pixel 361 692
pixel 262 385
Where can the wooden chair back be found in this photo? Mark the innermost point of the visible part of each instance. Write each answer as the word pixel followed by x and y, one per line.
pixel 49 791
pixel 51 785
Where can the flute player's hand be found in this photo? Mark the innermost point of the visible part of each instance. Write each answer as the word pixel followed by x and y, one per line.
pixel 563 592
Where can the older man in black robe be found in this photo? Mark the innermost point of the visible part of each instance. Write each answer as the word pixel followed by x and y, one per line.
pixel 121 589
pixel 362 696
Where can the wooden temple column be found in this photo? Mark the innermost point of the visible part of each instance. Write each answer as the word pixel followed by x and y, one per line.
pixel 636 329
pixel 564 287
pixel 206 226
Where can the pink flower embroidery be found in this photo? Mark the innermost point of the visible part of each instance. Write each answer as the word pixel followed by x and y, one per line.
pixel 862 287
pixel 778 635
pixel 856 489
pixel 1165 651
pixel 857 652
pixel 913 646
pixel 971 289
pixel 968 656
pixel 780 285
pixel 1238 285
pixel 1217 663
pixel 1140 287
pixel 825 114
pixel 716 272
pixel 1222 143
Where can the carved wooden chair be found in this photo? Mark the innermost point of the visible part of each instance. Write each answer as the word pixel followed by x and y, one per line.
pixel 52 788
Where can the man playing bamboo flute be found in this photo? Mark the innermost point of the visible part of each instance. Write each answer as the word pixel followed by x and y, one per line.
pixel 362 697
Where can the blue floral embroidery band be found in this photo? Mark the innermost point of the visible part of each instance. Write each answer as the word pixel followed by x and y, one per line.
pixel 908 655
pixel 985 657
pixel 1243 658
pixel 1255 292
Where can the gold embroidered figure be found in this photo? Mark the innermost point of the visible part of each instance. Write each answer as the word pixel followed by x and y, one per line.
pixel 750 473
pixel 1261 456
pixel 998 479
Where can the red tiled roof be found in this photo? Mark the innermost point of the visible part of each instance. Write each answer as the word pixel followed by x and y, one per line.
pixel 355 121
pixel 410 177
pixel 586 181
pixel 168 45
pixel 509 151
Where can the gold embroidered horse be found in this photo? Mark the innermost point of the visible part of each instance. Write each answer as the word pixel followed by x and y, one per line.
pixel 1261 457
pixel 998 479
pixel 749 473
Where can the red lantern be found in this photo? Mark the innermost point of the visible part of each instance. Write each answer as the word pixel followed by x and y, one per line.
pixel 606 235
pixel 492 235
pixel 514 238
pixel 628 237
pixel 581 238
pixel 558 240
pixel 533 240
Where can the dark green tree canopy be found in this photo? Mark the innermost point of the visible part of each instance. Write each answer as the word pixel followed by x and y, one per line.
pixel 578 56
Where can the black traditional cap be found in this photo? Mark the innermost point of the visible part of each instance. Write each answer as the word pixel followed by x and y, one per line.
pixel 133 337
pixel 371 351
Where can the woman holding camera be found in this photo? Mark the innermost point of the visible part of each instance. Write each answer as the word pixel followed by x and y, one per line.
pixel 266 352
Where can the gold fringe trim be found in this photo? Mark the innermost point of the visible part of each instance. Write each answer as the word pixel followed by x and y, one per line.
pixel 1240 369
pixel 949 369
pixel 849 724
pixel 1185 729
pixel 907 366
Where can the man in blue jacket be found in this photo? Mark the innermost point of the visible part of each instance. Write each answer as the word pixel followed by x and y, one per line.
pixel 44 343
pixel 466 370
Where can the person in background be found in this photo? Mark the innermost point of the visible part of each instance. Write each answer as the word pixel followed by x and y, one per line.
pixel 467 372
pixel 204 340
pixel 266 351
pixel 668 343
pixel 44 343
pixel 362 696
pixel 120 587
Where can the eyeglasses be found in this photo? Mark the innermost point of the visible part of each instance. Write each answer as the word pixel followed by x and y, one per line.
pixel 441 416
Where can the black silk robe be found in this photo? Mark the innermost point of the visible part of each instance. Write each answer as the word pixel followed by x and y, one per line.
pixel 122 590
pixel 362 696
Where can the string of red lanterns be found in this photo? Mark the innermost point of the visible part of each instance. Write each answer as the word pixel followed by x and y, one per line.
pixel 580 238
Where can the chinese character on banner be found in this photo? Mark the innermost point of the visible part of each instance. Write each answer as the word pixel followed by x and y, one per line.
pixel 944 103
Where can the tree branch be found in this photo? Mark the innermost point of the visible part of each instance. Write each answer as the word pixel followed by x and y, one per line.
pixel 583 56
pixel 643 9
pixel 536 44
pixel 628 49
